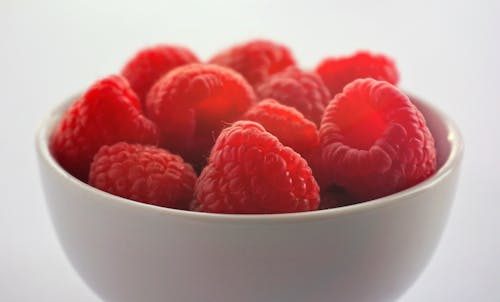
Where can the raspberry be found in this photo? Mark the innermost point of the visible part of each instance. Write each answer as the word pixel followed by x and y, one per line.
pixel 256 59
pixel 374 141
pixel 286 123
pixel 192 103
pixel 143 173
pixel 149 64
pixel 107 113
pixel 303 90
pixel 338 72
pixel 251 172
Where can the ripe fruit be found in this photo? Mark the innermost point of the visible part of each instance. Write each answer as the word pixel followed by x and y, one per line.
pixel 107 113
pixel 255 60
pixel 374 141
pixel 150 64
pixel 302 90
pixel 338 72
pixel 192 103
pixel 287 124
pixel 143 173
pixel 251 172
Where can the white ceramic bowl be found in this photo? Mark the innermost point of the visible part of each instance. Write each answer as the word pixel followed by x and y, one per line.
pixel 129 251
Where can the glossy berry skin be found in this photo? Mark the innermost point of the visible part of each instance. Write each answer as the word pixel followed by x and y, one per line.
pixel 305 91
pixel 255 60
pixel 287 124
pixel 107 113
pixel 374 141
pixel 338 72
pixel 192 103
pixel 143 173
pixel 150 64
pixel 251 172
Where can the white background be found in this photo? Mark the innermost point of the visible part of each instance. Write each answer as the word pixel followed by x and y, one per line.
pixel 447 52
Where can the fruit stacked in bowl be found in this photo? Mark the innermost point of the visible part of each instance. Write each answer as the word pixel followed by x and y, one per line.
pixel 346 182
pixel 247 132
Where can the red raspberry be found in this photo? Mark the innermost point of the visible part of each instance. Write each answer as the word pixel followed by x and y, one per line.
pixel 303 90
pixel 338 72
pixel 143 173
pixel 151 63
pixel 374 141
pixel 286 123
pixel 107 113
pixel 251 172
pixel 192 103
pixel 255 60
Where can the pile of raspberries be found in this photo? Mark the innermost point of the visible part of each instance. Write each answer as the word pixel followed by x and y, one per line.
pixel 247 132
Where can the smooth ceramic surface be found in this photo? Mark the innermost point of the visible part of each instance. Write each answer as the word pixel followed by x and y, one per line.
pixel 128 251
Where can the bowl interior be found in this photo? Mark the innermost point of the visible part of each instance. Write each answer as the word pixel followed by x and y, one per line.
pixel 449 147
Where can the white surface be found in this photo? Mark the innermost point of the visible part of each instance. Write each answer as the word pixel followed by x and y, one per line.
pixel 447 52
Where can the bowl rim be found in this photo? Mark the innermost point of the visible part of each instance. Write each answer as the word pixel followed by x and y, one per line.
pixel 454 136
